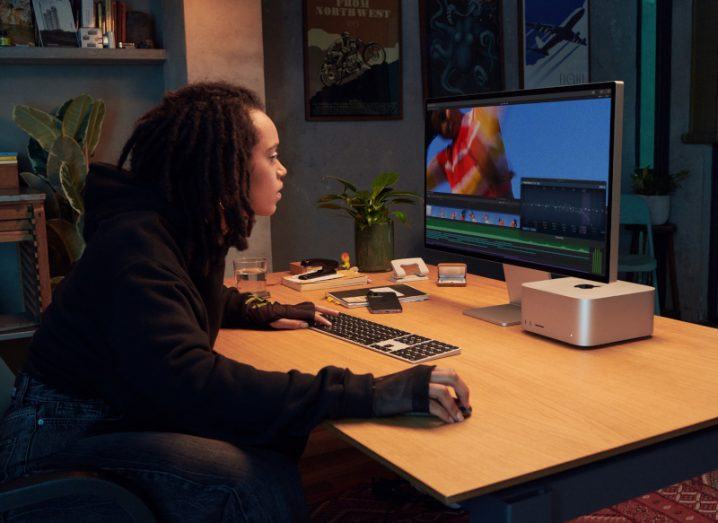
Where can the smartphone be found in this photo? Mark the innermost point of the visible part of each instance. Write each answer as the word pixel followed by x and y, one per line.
pixel 383 302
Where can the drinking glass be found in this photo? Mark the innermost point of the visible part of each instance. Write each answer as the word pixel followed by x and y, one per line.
pixel 251 275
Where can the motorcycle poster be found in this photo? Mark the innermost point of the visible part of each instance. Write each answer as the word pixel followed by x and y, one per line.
pixel 352 59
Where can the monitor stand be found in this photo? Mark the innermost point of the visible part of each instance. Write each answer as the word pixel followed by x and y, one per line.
pixel 509 313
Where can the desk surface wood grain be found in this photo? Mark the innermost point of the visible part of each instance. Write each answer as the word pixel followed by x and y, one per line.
pixel 539 406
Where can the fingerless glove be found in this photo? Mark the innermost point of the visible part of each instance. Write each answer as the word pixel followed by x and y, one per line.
pixel 402 392
pixel 262 312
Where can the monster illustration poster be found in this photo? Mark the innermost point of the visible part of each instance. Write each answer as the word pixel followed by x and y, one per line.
pixel 461 47
pixel 555 43
pixel 352 59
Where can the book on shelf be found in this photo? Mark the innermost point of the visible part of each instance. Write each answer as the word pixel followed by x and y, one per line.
pixel 9 178
pixel 340 279
pixel 357 297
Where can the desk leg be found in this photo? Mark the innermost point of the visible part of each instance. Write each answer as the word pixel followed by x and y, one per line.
pixel 531 505
pixel 671 263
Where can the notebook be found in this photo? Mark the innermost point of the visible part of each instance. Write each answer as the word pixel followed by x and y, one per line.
pixel 357 297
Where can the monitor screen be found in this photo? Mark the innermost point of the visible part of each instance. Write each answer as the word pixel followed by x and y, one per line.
pixel 526 177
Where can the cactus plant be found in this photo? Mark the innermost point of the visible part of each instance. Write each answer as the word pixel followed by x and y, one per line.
pixel 59 150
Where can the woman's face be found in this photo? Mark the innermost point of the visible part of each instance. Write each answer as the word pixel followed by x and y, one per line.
pixel 266 171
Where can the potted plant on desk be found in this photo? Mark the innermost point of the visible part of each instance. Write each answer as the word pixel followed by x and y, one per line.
pixel 656 189
pixel 373 220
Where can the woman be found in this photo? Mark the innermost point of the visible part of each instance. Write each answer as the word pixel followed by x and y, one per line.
pixel 121 376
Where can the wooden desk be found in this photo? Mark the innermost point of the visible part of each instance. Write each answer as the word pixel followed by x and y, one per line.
pixel 556 432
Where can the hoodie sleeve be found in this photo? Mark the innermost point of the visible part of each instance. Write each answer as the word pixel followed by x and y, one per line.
pixel 243 310
pixel 168 371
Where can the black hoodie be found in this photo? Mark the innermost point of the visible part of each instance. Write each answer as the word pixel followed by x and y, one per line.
pixel 132 325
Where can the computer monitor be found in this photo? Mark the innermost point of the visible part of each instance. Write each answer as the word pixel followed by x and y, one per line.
pixel 530 179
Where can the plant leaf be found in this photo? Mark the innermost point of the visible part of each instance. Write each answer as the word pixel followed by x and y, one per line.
pixel 37 156
pixel 94 126
pixel 75 115
pixel 66 150
pixel 401 200
pixel 330 198
pixel 38 124
pixel 330 206
pixel 346 183
pixel 38 183
pixel 399 215
pixel 71 188
pixel 384 180
pixel 70 240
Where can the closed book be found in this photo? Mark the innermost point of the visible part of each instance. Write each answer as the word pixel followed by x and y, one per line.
pixel 341 279
pixel 9 178
pixel 357 297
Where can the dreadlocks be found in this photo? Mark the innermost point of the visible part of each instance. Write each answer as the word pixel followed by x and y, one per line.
pixel 195 148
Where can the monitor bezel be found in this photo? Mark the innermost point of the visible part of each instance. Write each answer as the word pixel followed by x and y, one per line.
pixel 614 182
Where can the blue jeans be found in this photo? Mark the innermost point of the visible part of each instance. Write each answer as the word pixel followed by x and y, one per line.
pixel 180 477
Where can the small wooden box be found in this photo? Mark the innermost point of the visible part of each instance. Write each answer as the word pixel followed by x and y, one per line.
pixel 451 275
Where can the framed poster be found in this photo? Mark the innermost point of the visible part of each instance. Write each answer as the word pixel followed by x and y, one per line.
pixel 352 59
pixel 555 43
pixel 16 21
pixel 462 47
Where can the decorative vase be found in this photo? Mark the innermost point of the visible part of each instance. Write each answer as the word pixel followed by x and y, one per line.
pixel 374 246
pixel 659 207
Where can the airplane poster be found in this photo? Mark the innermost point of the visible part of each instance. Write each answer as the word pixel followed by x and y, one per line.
pixel 555 43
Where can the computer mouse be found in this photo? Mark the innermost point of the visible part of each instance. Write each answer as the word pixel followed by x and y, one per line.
pixel 465 411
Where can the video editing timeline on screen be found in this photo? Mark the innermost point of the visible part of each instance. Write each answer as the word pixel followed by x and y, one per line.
pixel 559 222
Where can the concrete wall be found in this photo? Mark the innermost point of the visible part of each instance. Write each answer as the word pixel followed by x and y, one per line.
pixel 360 150
pixel 223 41
pixel 690 204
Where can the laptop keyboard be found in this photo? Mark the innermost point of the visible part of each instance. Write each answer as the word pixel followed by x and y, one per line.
pixel 387 340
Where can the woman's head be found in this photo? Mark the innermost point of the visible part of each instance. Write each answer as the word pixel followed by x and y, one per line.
pixel 198 148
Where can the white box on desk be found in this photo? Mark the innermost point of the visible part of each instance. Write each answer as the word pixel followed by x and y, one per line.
pixel 587 313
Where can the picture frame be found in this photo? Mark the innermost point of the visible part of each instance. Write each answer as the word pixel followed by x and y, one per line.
pixel 461 47
pixel 55 23
pixel 352 60
pixel 554 38
pixel 16 20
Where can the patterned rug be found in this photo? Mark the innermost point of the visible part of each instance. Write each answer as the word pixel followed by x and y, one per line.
pixel 694 501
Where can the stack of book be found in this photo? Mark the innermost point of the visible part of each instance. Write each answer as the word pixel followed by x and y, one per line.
pixel 108 16
pixel 8 170
pixel 340 279
pixel 357 297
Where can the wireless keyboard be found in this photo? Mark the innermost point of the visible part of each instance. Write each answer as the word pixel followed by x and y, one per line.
pixel 392 342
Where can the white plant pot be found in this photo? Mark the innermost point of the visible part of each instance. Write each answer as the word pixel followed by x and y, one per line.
pixel 659 207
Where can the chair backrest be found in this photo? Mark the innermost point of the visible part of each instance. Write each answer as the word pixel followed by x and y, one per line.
pixel 634 210
pixel 7 381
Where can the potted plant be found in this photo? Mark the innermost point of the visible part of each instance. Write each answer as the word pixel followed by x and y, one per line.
pixel 656 188
pixel 373 220
pixel 59 150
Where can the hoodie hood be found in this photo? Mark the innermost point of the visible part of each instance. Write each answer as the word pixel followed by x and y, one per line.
pixel 110 191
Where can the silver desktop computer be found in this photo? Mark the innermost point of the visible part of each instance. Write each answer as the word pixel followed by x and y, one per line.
pixel 529 179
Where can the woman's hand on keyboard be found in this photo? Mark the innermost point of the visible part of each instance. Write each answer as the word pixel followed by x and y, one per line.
pixel 441 401
pixel 319 319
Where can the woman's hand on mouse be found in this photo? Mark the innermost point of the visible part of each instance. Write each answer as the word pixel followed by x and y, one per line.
pixel 441 401
pixel 319 319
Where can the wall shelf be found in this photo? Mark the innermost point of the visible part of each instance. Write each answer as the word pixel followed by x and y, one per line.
pixel 80 56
